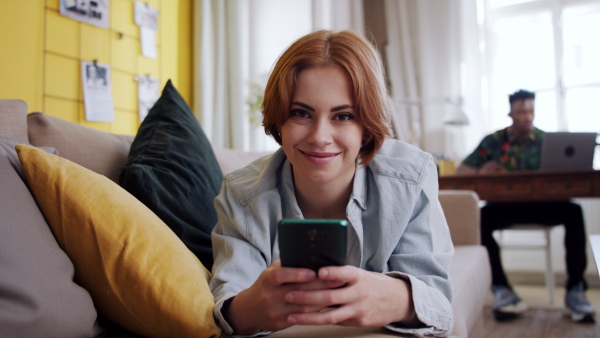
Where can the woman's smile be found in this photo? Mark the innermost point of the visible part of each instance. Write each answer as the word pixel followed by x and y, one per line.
pixel 319 157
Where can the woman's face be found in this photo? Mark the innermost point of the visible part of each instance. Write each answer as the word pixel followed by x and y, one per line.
pixel 323 134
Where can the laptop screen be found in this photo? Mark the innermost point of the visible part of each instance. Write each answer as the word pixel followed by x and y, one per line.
pixel 564 150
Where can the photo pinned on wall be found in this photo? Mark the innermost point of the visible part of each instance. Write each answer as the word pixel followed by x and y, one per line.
pixel 93 12
pixel 146 17
pixel 97 92
pixel 148 93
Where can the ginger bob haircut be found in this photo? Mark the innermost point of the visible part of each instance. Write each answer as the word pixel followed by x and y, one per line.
pixel 361 62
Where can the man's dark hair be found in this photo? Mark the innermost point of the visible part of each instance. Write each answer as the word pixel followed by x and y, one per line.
pixel 520 94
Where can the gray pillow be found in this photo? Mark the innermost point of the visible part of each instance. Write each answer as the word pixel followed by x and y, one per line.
pixel 8 144
pixel 38 297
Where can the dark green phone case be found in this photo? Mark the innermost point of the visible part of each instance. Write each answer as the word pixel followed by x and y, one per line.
pixel 312 243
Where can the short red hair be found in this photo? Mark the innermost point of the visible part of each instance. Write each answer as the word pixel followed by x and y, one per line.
pixel 362 63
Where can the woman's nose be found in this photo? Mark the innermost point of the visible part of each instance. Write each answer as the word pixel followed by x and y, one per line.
pixel 320 133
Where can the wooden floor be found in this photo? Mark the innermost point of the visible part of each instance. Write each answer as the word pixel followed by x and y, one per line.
pixel 542 319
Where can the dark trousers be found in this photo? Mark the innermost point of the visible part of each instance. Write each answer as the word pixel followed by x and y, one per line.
pixel 496 216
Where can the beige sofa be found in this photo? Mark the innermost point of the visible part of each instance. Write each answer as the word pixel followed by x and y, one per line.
pixel 106 153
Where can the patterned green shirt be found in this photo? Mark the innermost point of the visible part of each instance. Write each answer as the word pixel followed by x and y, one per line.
pixel 511 153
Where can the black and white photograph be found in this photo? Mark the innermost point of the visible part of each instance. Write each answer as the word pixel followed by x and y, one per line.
pixel 148 92
pixel 146 17
pixel 93 12
pixel 97 92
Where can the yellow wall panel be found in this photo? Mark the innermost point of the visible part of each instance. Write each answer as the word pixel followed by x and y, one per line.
pixel 62 35
pixel 124 53
pixel 95 44
pixel 41 53
pixel 184 20
pixel 153 3
pixel 121 18
pixel 63 77
pixel 126 122
pixel 176 47
pixel 124 90
pixel 22 52
pixel 64 109
pixel 148 66
pixel 53 4
pixel 167 54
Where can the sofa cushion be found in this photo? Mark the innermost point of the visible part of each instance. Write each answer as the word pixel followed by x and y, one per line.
pixel 38 297
pixel 461 208
pixel 13 119
pixel 172 169
pixel 139 274
pixel 472 280
pixel 96 150
pixel 231 159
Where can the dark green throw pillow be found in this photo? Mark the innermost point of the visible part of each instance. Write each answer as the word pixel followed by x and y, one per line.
pixel 172 169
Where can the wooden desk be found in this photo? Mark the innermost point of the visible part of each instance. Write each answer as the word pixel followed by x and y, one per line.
pixel 528 185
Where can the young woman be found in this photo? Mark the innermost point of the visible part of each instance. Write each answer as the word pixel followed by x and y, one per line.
pixel 326 105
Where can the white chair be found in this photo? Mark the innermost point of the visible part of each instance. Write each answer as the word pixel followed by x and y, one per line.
pixel 545 244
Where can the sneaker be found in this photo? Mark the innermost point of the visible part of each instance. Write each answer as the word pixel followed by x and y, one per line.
pixel 578 306
pixel 507 304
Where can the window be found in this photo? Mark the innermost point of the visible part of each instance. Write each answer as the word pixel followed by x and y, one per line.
pixel 550 47
pixel 501 3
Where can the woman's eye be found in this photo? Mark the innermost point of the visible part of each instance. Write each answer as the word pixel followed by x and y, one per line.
pixel 299 113
pixel 344 117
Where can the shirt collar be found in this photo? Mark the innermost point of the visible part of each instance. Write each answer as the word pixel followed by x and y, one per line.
pixel 512 139
pixel 359 187
pixel 290 192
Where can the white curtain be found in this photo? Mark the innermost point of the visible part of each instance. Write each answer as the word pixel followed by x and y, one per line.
pixel 402 72
pixel 237 43
pixel 221 71
pixel 338 15
pixel 431 88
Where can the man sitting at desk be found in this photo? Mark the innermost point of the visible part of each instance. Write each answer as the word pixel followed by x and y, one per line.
pixel 518 147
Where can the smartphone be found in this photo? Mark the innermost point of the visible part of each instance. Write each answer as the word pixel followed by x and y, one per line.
pixel 312 243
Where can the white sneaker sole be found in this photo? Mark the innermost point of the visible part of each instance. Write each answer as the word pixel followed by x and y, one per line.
pixel 510 311
pixel 518 308
pixel 579 317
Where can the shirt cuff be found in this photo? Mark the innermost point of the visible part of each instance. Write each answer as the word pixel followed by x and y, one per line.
pixel 434 313
pixel 220 306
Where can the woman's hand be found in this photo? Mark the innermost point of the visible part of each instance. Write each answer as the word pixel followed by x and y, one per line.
pixel 263 305
pixel 491 167
pixel 366 299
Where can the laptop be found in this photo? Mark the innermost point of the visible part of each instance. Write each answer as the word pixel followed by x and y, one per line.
pixel 564 150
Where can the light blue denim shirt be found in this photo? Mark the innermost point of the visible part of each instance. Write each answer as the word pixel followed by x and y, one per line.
pixel 396 226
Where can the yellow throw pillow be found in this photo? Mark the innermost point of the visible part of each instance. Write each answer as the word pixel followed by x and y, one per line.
pixel 138 272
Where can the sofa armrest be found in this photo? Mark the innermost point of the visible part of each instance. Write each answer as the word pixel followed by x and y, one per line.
pixel 13 119
pixel 461 208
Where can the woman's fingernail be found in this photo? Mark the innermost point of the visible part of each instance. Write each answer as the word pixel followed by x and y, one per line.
pixel 292 320
pixel 289 297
